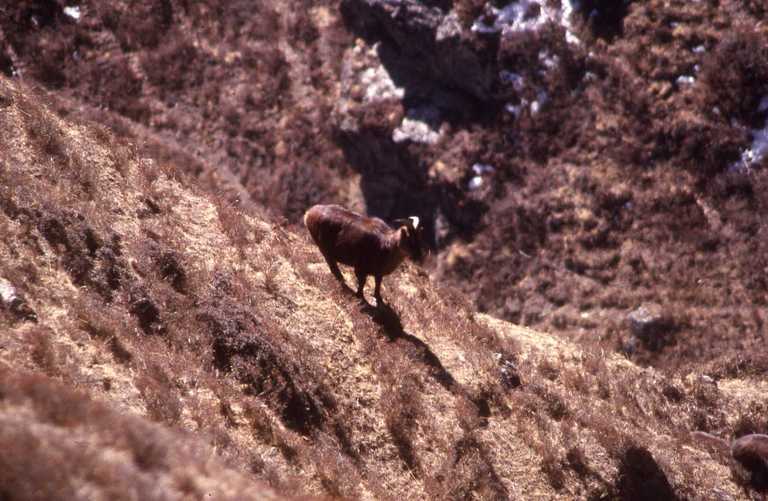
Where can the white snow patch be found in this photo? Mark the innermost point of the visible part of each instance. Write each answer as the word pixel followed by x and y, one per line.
pixel 481 169
pixel 759 148
pixel 523 15
pixel 517 81
pixel 379 86
pixel 541 100
pixel 526 15
pixel 516 109
pixel 72 11
pixel 567 7
pixel 475 182
pixel 755 153
pixel 548 60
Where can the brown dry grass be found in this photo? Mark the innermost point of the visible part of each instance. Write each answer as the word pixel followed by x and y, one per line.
pixel 182 324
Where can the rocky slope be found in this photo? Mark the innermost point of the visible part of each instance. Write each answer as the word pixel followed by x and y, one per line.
pixel 160 343
pixel 594 157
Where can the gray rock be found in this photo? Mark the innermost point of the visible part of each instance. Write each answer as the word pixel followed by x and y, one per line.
pixel 12 301
pixel 7 292
pixel 508 372
pixel 420 125
pixel 650 324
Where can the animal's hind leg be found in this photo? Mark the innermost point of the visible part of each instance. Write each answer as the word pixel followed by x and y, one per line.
pixel 360 282
pixel 377 290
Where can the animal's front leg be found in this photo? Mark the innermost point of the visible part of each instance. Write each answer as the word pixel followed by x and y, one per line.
pixel 334 267
pixel 360 282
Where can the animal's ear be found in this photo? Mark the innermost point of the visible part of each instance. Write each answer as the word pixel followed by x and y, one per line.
pixel 399 223
pixel 412 223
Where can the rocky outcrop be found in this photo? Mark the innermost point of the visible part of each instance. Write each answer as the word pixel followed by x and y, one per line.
pixel 430 40
pixel 407 86
pixel 423 82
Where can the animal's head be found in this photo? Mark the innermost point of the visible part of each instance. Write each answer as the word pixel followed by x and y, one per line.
pixel 410 237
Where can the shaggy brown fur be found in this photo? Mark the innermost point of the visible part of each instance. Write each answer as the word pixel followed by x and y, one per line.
pixel 367 244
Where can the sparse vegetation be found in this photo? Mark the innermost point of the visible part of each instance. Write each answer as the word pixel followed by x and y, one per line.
pixel 177 341
pixel 220 347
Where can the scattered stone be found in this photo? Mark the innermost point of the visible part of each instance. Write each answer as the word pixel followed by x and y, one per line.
pixel 510 376
pixel 13 302
pixel 650 325
pixel 645 319
pixel 629 346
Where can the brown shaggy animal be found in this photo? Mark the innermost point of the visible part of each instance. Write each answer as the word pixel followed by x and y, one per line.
pixel 368 244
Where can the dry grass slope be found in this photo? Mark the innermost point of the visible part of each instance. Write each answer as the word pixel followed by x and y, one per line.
pixel 615 193
pixel 195 347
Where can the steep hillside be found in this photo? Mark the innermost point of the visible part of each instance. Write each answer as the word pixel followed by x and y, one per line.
pixel 232 89
pixel 574 161
pixel 160 343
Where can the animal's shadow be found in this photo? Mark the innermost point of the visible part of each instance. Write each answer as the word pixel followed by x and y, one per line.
pixel 416 349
